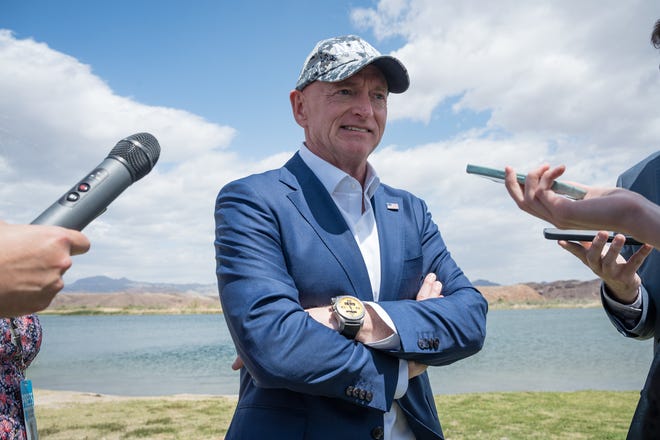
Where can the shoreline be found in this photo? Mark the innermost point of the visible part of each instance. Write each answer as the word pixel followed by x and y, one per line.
pixel 57 398
pixel 141 310
pixel 173 311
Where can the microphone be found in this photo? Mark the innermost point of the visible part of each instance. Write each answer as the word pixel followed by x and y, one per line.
pixel 130 160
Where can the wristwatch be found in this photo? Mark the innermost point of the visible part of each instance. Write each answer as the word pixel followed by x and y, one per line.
pixel 349 312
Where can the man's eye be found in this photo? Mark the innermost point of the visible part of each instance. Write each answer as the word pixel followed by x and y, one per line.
pixel 344 92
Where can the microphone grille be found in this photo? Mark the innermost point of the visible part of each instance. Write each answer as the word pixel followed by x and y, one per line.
pixel 138 152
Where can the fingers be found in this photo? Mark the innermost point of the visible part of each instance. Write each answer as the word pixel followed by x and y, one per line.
pixel 576 249
pixel 638 257
pixel 512 186
pixel 431 288
pixel 537 183
pixel 552 174
pixel 237 364
pixel 415 369
pixel 79 242
pixel 598 255
pixel 607 263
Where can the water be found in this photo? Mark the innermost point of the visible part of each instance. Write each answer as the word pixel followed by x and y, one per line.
pixel 525 350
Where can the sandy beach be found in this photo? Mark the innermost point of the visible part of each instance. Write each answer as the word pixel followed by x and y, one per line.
pixel 55 399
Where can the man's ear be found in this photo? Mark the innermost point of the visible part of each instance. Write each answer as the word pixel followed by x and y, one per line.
pixel 298 107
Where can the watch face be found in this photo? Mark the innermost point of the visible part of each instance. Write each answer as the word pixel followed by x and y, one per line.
pixel 349 307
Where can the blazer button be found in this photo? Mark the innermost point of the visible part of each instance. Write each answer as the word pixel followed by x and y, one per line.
pixel 423 343
pixel 349 391
pixel 370 396
pixel 377 433
pixel 436 343
pixel 363 394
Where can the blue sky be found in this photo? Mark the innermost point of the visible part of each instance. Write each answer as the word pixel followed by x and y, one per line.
pixel 491 84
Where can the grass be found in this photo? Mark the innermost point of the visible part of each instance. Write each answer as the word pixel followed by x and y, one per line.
pixel 597 415
pixel 201 418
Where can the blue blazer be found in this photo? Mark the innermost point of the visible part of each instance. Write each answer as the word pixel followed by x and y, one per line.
pixel 282 246
pixel 644 178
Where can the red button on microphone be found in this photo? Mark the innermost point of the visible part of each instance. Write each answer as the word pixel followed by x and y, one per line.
pixel 83 187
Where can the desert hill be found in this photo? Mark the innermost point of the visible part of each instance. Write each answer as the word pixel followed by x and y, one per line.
pixel 105 295
pixel 128 302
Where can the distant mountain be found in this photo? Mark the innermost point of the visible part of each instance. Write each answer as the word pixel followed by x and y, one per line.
pixel 568 289
pixel 103 284
pixel 484 283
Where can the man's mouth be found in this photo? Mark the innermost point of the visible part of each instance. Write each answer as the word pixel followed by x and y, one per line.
pixel 358 129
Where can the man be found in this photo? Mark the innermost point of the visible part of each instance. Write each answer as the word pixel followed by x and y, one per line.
pixel 631 275
pixel 323 229
pixel 33 259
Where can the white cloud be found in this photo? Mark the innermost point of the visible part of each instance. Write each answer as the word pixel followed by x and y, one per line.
pixel 58 121
pixel 553 69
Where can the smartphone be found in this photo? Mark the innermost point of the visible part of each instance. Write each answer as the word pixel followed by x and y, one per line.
pixel 566 190
pixel 579 235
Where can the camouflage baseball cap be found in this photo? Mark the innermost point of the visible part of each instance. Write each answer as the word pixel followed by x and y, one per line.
pixel 335 59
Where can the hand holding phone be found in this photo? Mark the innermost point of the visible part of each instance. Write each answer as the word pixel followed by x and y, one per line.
pixel 570 191
pixel 580 235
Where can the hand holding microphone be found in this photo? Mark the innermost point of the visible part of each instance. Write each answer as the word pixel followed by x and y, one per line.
pixel 34 258
pixel 32 262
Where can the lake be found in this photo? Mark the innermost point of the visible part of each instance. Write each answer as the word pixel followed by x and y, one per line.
pixel 151 355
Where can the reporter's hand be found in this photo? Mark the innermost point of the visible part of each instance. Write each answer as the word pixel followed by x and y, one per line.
pixel 33 259
pixel 620 276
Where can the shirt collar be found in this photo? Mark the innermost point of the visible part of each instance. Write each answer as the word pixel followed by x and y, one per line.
pixel 331 177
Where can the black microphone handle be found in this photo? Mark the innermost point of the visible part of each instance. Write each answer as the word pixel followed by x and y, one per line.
pixel 89 198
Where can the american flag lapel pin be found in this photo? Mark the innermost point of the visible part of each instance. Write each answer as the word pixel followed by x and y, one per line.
pixel 392 206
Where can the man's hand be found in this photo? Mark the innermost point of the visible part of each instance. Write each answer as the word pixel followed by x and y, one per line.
pixel 415 369
pixel 620 276
pixel 431 288
pixel 237 364
pixel 33 259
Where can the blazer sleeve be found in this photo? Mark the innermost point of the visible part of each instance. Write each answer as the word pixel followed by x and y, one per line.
pixel 279 343
pixel 443 330
pixel 641 180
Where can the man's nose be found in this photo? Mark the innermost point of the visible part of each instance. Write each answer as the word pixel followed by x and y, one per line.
pixel 363 105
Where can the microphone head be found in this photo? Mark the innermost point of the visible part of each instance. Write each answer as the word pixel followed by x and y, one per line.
pixel 139 153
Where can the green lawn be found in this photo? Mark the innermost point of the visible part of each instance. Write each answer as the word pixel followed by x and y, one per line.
pixel 597 415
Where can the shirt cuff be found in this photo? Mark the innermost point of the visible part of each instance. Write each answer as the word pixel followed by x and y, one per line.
pixel 402 383
pixel 392 342
pixel 628 313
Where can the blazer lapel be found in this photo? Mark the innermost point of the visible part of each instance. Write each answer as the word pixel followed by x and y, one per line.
pixel 389 214
pixel 319 210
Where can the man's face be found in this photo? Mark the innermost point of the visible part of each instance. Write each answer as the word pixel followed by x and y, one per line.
pixel 344 121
